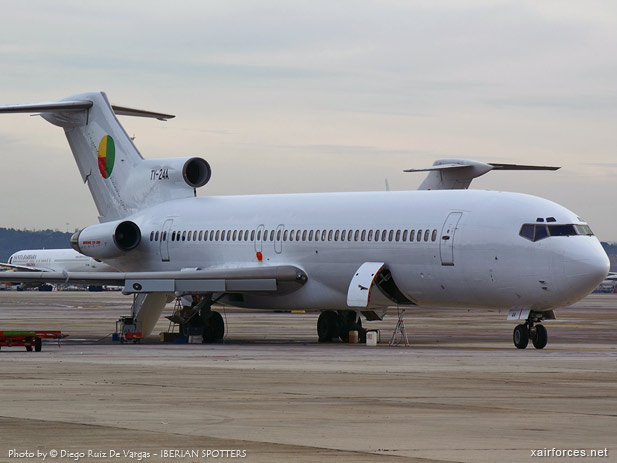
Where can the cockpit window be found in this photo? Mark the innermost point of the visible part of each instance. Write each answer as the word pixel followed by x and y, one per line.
pixel 537 232
pixel 583 230
pixel 562 230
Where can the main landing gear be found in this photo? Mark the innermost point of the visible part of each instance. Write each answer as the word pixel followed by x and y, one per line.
pixel 200 320
pixel 334 325
pixel 529 330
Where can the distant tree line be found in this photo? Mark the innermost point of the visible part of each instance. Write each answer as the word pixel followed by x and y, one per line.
pixel 12 240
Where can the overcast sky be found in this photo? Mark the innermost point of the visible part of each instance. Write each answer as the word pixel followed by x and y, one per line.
pixel 312 96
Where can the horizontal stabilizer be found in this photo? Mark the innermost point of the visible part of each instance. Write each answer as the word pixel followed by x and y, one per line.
pixel 69 106
pixel 47 107
pixel 457 174
pixel 123 111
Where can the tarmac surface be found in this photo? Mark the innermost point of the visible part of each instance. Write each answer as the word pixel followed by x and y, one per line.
pixel 460 393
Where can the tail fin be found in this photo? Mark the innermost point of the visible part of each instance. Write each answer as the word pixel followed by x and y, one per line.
pixel 120 180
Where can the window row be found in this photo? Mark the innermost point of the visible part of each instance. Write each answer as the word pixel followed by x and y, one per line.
pixel 297 235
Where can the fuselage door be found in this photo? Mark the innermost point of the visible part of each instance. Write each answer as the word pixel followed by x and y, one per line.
pixel 446 242
pixel 278 239
pixel 164 240
pixel 259 238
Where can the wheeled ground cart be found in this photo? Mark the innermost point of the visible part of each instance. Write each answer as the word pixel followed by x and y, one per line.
pixel 28 339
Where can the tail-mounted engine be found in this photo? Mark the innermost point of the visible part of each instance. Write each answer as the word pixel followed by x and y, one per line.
pixel 107 240
pixel 175 172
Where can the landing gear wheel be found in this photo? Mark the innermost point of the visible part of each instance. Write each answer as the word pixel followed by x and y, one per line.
pixel 327 326
pixel 521 336
pixel 38 345
pixel 214 329
pixel 539 336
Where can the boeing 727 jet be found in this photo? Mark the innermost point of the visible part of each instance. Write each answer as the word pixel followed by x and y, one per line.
pixel 341 254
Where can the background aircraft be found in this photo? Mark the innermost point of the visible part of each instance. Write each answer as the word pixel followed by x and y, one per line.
pixel 339 253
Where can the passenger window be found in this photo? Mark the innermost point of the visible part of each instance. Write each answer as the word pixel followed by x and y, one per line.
pixel 298 235
pixel 412 235
pixel 285 235
pixel 156 236
pixel 383 235
pixel 211 235
pixel 228 235
pixel 355 236
pixel 310 237
pixel 258 235
pixel 426 233
pixel 272 235
pixel 434 236
pixel 235 234
pixel 343 235
pixel 304 235
pixel 349 235
pixel 370 236
pixel 398 235
pixel 390 235
pixel 246 235
pixel 419 238
pixel 216 238
pixel 376 235
pixel 184 235
pixel 404 235
pixel 330 233
pixel 164 236
pixel 336 235
pixel 323 235
pixel 316 235
pixel 278 235
pixel 152 236
pixel 291 235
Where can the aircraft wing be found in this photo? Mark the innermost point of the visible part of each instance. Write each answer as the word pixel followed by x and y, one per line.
pixel 236 280
pixel 457 174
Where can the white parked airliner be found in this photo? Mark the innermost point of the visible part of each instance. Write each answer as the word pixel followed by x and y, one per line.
pixel 339 253
pixel 55 260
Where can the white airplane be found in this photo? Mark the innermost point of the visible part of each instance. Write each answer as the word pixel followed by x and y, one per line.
pixel 338 253
pixel 54 260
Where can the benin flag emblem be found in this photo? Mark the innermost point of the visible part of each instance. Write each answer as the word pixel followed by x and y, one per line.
pixel 107 155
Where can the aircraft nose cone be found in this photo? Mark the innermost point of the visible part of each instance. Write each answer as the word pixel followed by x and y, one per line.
pixel 585 267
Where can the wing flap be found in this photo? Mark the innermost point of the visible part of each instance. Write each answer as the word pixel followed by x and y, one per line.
pixel 237 280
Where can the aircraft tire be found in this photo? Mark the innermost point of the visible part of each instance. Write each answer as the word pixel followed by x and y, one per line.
pixel 38 345
pixel 29 348
pixel 540 337
pixel 214 329
pixel 521 336
pixel 328 326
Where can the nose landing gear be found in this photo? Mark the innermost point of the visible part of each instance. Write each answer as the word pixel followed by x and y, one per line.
pixel 529 330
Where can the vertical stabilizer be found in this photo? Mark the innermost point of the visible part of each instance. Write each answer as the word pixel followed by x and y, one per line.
pixel 120 180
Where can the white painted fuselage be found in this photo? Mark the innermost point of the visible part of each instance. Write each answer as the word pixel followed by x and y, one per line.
pixel 56 260
pixel 444 248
